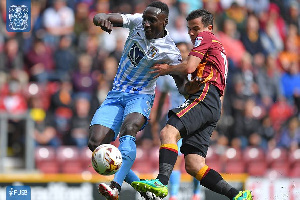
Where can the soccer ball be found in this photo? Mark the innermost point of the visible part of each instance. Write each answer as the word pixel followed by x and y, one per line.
pixel 106 159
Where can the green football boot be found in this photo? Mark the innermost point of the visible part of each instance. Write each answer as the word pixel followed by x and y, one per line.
pixel 153 185
pixel 244 195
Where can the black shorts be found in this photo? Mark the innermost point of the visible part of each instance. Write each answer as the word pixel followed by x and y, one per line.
pixel 196 119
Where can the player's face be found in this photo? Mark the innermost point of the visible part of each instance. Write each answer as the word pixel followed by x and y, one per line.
pixel 195 26
pixel 154 22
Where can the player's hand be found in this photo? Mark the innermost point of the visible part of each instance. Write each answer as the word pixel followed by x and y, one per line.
pixel 160 70
pixel 103 22
pixel 194 85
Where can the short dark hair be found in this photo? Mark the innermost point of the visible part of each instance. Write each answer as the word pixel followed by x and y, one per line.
pixel 162 6
pixel 207 18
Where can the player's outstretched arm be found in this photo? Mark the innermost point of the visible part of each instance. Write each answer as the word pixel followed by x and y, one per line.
pixel 184 68
pixel 108 21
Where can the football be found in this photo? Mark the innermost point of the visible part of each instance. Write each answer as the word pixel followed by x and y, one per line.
pixel 106 159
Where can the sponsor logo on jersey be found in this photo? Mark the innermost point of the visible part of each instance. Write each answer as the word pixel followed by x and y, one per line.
pixel 198 41
pixel 135 54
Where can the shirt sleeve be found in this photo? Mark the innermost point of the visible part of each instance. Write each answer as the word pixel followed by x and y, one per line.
pixel 131 21
pixel 202 44
pixel 175 59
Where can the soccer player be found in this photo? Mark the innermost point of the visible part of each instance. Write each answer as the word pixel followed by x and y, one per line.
pixel 195 120
pixel 127 106
pixel 167 86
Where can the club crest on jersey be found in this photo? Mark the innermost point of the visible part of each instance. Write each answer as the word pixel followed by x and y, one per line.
pixel 198 41
pixel 152 51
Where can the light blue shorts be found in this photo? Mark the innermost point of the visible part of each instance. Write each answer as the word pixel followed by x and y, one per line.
pixel 179 143
pixel 118 105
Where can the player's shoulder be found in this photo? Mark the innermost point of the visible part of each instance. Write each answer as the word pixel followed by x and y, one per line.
pixel 169 43
pixel 206 35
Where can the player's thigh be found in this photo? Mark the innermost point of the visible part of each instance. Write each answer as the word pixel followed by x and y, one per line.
pixel 110 114
pixel 139 103
pixel 132 123
pixel 202 108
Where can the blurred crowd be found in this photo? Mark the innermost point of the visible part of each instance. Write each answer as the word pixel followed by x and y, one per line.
pixel 61 70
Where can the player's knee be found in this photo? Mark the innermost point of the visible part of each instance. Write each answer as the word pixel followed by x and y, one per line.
pixel 167 135
pixel 129 129
pixel 193 168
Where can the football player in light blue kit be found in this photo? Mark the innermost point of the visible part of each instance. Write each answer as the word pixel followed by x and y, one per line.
pixel 167 86
pixel 127 106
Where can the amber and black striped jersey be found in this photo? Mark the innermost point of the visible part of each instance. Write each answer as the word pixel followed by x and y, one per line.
pixel 213 67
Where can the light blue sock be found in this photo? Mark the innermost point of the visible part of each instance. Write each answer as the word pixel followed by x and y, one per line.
pixel 174 182
pixel 131 176
pixel 196 185
pixel 127 148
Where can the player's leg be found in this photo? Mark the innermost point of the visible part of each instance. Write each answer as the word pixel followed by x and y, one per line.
pixel 196 189
pixel 209 178
pixel 137 111
pixel 168 153
pixel 131 125
pixel 175 177
pixel 202 108
pixel 104 128
pixel 106 121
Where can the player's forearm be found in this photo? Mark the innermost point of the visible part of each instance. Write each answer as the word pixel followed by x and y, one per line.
pixel 180 69
pixel 186 67
pixel 114 18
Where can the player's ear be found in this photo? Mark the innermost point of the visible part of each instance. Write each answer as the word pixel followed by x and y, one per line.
pixel 210 27
pixel 166 21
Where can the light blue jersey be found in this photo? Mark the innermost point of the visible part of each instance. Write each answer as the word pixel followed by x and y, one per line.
pixel 133 87
pixel 139 55
pixel 167 84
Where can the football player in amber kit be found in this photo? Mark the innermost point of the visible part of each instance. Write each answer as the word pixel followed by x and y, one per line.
pixel 196 119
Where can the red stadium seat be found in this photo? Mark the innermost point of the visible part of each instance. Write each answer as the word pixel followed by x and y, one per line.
pixel 255 162
pixel 277 160
pixel 45 160
pixel 294 160
pixel 86 160
pixel 294 171
pixel 233 161
pixel 69 159
pixel 294 157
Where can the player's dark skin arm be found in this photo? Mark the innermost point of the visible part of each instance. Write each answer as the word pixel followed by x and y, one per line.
pixel 108 21
pixel 181 81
